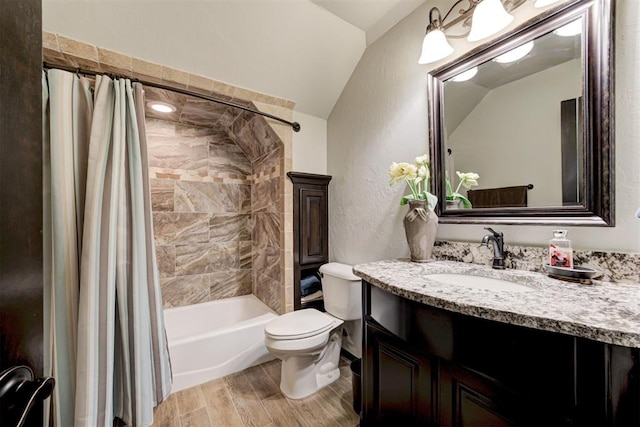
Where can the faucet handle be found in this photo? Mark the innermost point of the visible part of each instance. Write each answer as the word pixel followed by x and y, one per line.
pixel 495 233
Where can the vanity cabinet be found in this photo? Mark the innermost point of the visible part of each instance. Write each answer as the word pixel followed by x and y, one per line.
pixel 427 366
pixel 402 380
pixel 310 229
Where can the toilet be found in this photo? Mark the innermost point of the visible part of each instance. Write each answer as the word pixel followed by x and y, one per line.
pixel 308 341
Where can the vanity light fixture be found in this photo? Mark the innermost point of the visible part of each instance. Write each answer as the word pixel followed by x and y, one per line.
pixel 489 17
pixel 515 54
pixel 466 75
pixel 544 3
pixel 571 29
pixel 162 107
pixel 434 46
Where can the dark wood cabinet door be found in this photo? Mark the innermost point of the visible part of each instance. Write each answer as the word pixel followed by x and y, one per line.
pixel 467 399
pixel 402 383
pixel 313 225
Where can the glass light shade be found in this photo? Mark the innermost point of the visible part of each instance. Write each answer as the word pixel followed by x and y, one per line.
pixel 434 47
pixel 544 3
pixel 571 29
pixel 515 54
pixel 467 75
pixel 162 107
pixel 489 17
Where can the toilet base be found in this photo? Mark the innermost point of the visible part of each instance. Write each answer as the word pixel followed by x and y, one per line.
pixel 304 375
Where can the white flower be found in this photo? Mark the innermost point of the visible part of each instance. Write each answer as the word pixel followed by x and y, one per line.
pixel 468 179
pixel 395 173
pixel 423 173
pixel 400 171
pixel 409 171
pixel 422 160
pixel 416 176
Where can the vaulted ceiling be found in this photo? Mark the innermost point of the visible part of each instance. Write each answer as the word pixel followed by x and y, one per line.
pixel 374 17
pixel 300 50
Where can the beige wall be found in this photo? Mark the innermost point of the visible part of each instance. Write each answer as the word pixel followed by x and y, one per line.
pixel 381 117
pixel 310 144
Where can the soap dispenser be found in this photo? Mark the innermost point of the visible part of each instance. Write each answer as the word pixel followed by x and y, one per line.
pixel 560 251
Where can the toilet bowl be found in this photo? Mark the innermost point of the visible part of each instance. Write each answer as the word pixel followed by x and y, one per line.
pixel 308 341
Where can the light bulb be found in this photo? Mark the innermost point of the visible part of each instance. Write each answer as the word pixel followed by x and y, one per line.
pixel 434 47
pixel 571 29
pixel 489 17
pixel 466 75
pixel 515 54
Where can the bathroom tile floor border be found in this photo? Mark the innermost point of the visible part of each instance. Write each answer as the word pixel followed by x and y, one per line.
pixel 252 398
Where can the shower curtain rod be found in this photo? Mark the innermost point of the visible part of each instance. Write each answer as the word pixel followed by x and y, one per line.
pixel 294 125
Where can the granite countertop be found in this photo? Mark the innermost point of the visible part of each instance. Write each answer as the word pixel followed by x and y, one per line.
pixel 603 311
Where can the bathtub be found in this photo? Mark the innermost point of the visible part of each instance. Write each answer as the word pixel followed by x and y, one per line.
pixel 217 338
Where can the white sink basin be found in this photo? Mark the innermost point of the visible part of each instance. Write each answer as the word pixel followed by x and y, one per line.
pixel 478 282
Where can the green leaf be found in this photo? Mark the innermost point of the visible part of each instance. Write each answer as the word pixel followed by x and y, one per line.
pixel 405 199
pixel 432 200
pixel 449 190
pixel 465 202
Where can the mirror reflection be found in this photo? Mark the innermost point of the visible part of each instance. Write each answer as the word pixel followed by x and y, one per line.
pixel 516 121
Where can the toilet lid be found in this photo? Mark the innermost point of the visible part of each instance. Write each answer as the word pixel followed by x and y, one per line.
pixel 341 271
pixel 299 324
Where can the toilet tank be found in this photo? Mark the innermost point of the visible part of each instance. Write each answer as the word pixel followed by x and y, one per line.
pixel 341 290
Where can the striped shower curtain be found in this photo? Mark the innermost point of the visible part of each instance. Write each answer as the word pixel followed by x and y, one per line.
pixel 106 341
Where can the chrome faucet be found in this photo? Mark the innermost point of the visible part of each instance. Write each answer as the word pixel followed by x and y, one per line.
pixel 497 240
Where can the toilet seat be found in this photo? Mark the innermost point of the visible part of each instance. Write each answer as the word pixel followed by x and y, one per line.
pixel 300 324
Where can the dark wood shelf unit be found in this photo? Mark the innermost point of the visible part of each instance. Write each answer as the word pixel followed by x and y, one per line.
pixel 310 229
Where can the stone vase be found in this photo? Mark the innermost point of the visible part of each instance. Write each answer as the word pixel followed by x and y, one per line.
pixel 453 204
pixel 420 226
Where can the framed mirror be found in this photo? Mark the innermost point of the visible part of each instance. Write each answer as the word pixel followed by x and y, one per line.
pixel 531 113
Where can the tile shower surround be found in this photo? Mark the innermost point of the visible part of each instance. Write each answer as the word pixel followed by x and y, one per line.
pixel 216 213
pixel 184 250
pixel 202 228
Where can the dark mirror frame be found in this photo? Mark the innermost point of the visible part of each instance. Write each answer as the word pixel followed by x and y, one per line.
pixel 598 79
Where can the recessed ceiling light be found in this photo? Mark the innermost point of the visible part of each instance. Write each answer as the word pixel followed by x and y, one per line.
pixel 467 75
pixel 162 107
pixel 515 54
pixel 571 29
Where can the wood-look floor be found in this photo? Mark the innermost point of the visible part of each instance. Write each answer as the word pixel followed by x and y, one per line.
pixel 253 398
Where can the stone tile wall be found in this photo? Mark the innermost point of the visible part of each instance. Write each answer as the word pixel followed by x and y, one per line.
pixel 267 222
pixel 202 222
